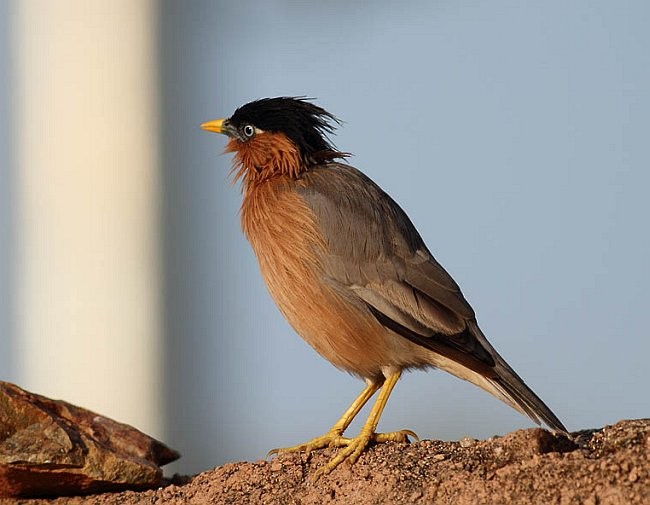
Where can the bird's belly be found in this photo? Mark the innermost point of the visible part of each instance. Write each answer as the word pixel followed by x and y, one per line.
pixel 337 324
pixel 341 333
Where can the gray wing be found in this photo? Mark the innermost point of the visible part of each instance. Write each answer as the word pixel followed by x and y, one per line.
pixel 374 250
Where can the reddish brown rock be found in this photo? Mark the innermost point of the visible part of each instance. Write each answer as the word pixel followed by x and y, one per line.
pixel 53 448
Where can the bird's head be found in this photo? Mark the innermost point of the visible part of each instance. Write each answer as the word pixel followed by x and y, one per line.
pixel 277 136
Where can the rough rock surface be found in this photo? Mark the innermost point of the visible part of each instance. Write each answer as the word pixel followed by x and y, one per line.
pixel 603 467
pixel 50 447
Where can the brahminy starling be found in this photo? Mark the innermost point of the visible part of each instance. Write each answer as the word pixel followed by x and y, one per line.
pixel 349 271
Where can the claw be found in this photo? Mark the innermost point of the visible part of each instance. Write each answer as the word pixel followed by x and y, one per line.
pixel 395 436
pixel 330 439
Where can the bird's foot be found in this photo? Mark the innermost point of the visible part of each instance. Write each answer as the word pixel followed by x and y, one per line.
pixel 353 447
pixel 332 438
pixel 336 439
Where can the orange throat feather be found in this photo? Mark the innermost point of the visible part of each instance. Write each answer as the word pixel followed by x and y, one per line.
pixel 264 157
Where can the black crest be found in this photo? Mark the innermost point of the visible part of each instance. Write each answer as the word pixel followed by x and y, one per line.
pixel 304 123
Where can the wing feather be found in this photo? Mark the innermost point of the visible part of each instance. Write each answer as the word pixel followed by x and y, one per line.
pixel 374 250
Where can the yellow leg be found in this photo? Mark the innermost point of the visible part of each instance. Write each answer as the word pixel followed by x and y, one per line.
pixel 333 438
pixel 355 446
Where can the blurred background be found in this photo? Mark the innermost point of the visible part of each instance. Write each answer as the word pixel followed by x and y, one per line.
pixel 515 135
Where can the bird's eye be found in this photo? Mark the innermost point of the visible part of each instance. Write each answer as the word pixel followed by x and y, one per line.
pixel 248 131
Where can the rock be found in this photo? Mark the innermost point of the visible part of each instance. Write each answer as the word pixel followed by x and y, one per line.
pixel 53 448
pixel 530 467
pixel 466 442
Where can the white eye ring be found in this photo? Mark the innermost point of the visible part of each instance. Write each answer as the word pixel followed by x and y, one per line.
pixel 248 131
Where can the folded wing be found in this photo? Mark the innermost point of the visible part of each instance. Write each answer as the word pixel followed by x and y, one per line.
pixel 374 251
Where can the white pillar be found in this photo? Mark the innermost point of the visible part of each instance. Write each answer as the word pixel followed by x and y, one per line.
pixel 87 245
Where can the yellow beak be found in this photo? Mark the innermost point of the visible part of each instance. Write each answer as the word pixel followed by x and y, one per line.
pixel 215 126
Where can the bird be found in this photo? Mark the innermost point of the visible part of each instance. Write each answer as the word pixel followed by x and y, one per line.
pixel 350 273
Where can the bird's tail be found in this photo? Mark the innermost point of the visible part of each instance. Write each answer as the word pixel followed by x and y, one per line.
pixel 511 389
